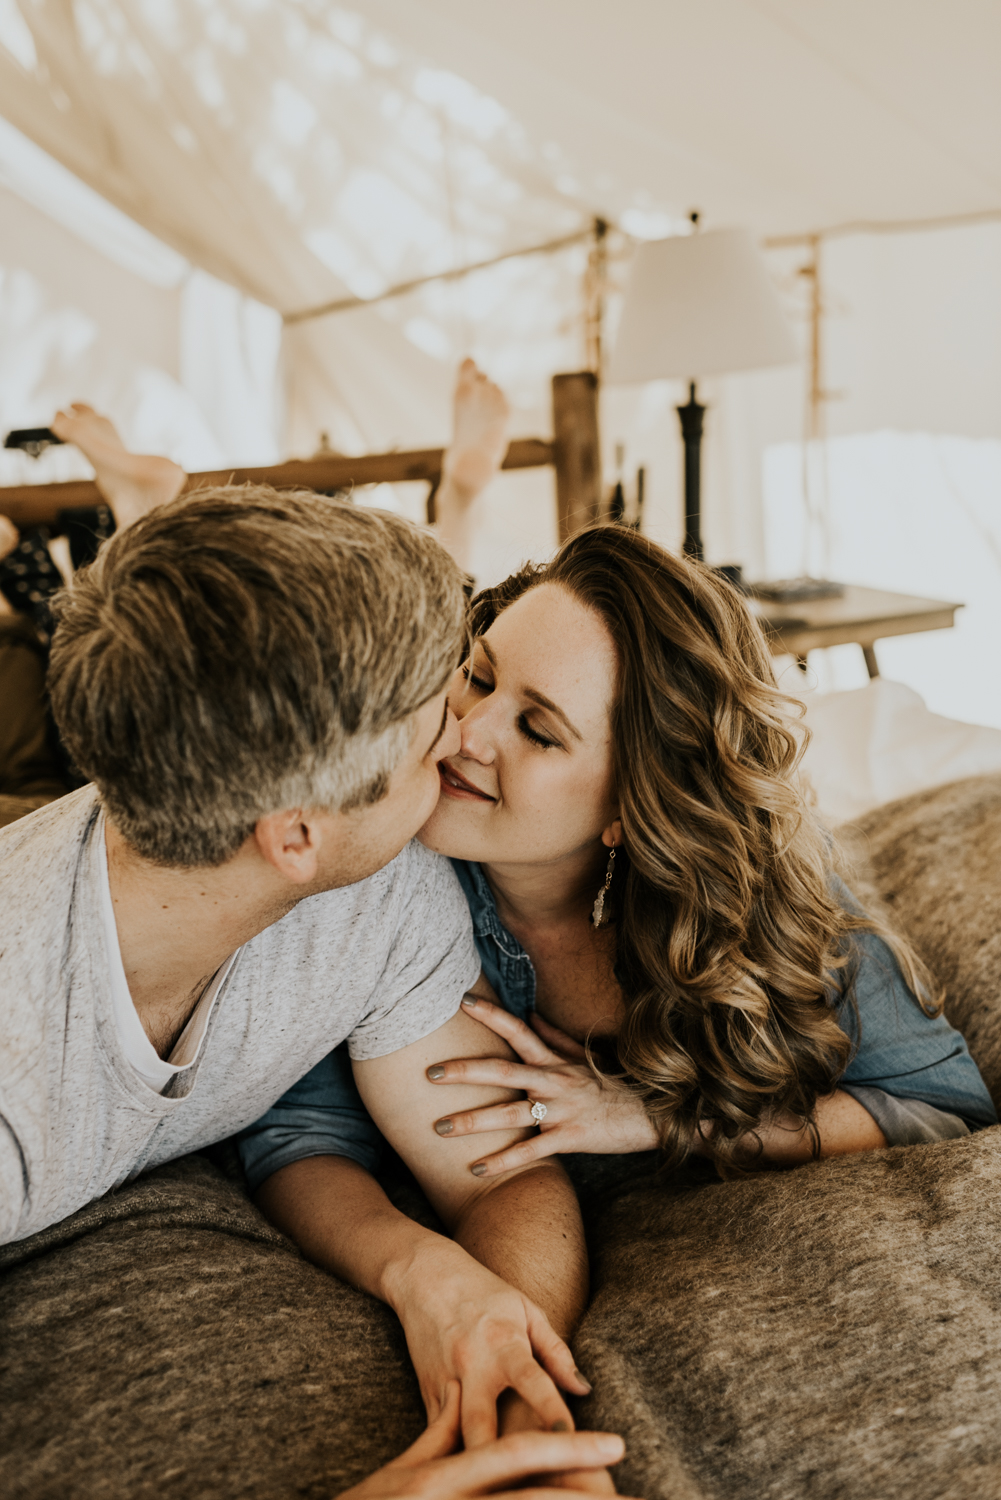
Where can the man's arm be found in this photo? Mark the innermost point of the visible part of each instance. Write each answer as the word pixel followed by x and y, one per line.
pixel 524 1225
pixel 460 1318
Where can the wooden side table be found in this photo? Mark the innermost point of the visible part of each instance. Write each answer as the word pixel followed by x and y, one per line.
pixel 859 616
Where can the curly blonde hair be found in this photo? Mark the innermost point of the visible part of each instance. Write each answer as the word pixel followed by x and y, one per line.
pixel 732 942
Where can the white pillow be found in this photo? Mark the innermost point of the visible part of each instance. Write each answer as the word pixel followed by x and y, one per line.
pixel 880 742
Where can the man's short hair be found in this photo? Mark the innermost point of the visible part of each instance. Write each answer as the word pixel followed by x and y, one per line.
pixel 242 651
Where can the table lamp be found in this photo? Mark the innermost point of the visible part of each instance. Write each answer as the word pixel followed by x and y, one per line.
pixel 698 304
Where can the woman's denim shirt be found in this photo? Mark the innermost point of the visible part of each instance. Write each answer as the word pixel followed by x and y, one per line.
pixel 506 965
pixel 912 1072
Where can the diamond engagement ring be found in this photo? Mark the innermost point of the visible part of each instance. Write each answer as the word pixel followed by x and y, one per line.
pixel 539 1111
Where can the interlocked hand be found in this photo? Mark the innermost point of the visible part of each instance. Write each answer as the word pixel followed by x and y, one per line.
pixel 523 1462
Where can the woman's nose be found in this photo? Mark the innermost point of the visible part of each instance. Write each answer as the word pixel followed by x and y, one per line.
pixel 477 741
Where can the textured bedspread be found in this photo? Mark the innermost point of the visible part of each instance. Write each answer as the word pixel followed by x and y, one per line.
pixel 166 1341
pixel 829 1332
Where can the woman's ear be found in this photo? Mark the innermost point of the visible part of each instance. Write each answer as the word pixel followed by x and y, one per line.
pixel 611 836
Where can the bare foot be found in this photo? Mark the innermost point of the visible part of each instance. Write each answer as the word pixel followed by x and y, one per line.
pixel 476 452
pixel 132 483
pixel 479 432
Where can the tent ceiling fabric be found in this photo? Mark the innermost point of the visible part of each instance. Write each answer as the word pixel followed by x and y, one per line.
pixel 299 149
pixel 294 151
pixel 265 141
pixel 789 115
pixel 240 133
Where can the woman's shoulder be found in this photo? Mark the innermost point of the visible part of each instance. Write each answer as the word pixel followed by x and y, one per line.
pixel 845 897
pixel 871 970
pixel 877 1006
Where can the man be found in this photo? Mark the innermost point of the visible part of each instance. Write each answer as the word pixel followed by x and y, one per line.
pixel 31 773
pixel 255 685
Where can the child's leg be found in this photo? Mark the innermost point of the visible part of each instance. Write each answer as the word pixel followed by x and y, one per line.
pixel 132 483
pixel 474 456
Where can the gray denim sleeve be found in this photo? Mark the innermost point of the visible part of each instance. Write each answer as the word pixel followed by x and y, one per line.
pixel 907 1122
pixel 321 1115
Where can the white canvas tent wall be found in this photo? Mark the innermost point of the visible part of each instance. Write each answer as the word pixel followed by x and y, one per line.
pixel 296 150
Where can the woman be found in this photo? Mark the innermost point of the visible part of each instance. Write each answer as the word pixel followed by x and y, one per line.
pixel 649 889
pixel 647 884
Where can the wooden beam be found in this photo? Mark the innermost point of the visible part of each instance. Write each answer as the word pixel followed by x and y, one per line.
pixel 578 452
pixel 30 505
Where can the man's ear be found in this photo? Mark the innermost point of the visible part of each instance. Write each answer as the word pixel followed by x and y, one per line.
pixel 290 842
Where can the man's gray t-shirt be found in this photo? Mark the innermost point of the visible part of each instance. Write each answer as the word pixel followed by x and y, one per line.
pixel 382 963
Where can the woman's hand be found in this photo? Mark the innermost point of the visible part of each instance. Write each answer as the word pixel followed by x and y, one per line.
pixel 464 1323
pixel 583 1113
pixel 426 1472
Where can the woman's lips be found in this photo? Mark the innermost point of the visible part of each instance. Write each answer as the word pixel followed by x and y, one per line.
pixel 454 785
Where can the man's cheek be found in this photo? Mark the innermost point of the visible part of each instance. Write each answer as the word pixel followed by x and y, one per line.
pixel 433 792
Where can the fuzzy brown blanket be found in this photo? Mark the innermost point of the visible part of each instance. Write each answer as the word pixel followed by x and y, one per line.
pixel 829 1332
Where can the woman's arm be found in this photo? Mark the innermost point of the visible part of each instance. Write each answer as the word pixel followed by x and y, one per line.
pixel 842 1123
pixel 589 1114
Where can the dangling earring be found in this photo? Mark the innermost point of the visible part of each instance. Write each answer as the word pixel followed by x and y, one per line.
pixel 598 909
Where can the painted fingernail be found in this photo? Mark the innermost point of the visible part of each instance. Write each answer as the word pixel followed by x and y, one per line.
pixel 469 1000
pixel 479 1169
pixel 583 1380
pixel 561 1426
pixel 443 1127
pixel 436 1072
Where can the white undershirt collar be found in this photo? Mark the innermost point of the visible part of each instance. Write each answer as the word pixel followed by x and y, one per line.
pixel 139 1050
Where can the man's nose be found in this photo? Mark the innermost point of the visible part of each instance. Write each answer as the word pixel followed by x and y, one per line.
pixel 451 739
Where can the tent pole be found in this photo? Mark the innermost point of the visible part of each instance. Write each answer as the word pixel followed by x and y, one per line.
pixel 595 278
pixel 576 451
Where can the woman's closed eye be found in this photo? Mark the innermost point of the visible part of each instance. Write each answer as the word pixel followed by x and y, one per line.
pixel 485 684
pixel 481 684
pixel 536 738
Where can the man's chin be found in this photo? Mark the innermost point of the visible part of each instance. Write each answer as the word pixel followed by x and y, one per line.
pixel 440 835
pixel 430 833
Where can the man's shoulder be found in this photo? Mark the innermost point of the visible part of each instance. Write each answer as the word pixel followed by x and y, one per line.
pixel 40 894
pixel 40 853
pixel 418 880
pixel 408 890
pixel 418 864
pixel 404 878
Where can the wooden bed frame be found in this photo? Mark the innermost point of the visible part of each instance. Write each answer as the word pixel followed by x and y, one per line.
pixel 574 453
pixel 859 615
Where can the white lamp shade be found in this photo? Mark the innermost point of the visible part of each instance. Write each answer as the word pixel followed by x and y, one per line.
pixel 699 304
